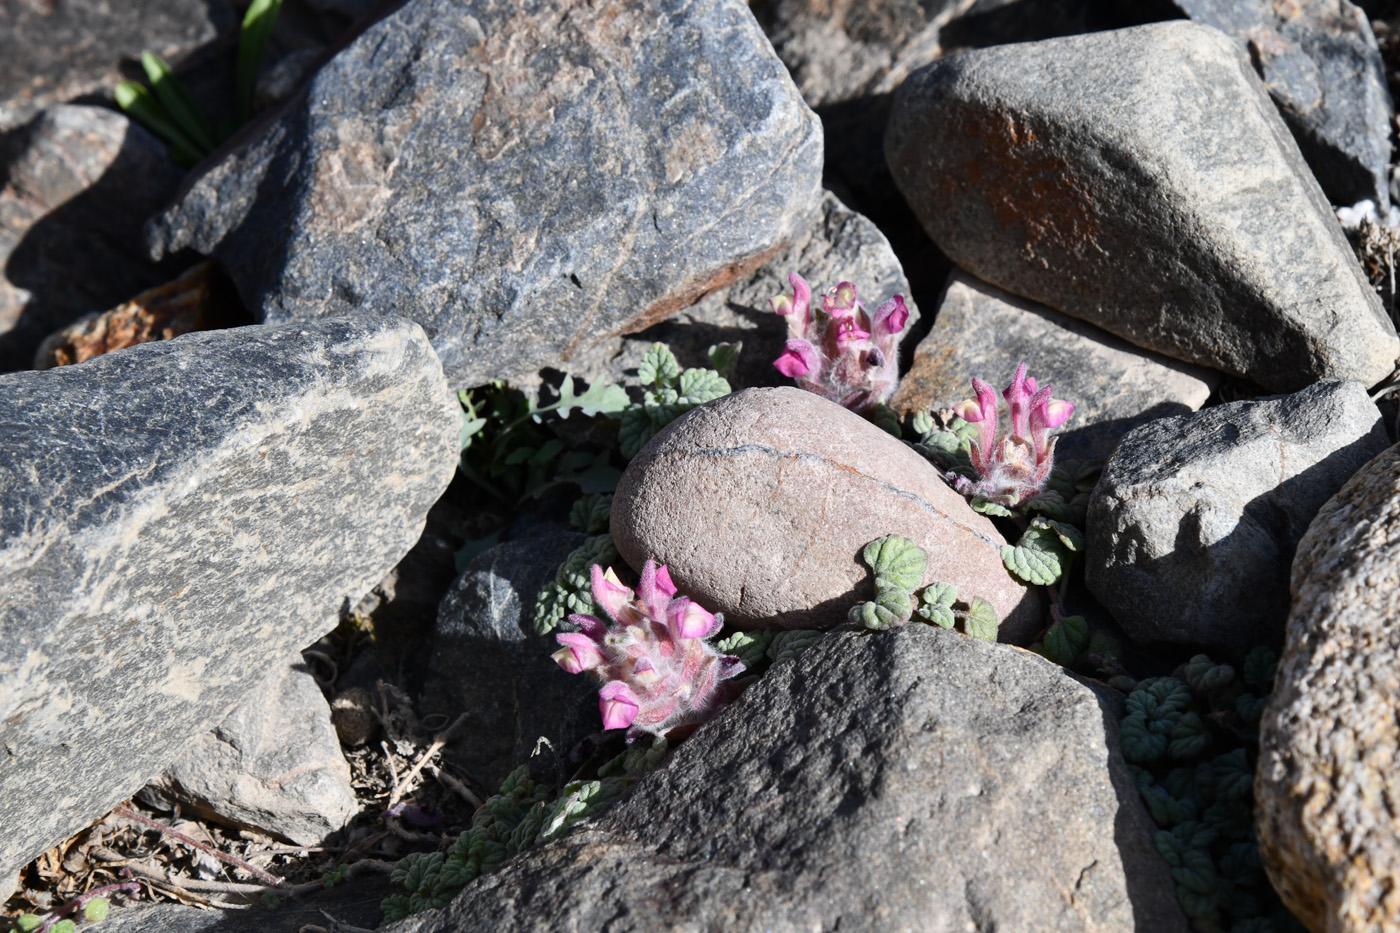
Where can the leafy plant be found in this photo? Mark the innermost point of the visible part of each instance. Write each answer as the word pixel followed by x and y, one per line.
pixel 168 110
pixel 839 351
pixel 899 566
pixel 657 670
pixel 1045 551
pixel 571 591
pixel 669 392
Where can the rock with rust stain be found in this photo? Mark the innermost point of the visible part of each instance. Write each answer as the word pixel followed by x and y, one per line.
pixel 179 518
pixel 1194 523
pixel 520 180
pixel 1327 783
pixel 981 331
pixel 1321 64
pixel 76 186
pixel 194 301
pixel 761 502
pixel 1142 180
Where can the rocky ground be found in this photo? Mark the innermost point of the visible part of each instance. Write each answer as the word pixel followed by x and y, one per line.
pixel 317 411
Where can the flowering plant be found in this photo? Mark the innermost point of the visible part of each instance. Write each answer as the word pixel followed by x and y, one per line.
pixel 840 352
pixel 658 672
pixel 1012 467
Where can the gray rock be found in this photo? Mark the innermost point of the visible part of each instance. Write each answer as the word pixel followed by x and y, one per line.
pixel 1194 523
pixel 841 245
pixel 497 174
pixel 761 502
pixel 274 764
pixel 488 662
pixel 1320 62
pixel 78 183
pixel 1155 193
pixel 1326 783
pixel 355 904
pixel 179 517
pixel 56 50
pixel 912 781
pixel 982 331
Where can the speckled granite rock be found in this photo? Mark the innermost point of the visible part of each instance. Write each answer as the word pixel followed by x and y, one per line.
pixel 915 780
pixel 1327 783
pixel 1141 180
pixel 56 50
pixel 494 171
pixel 175 521
pixel 760 504
pixel 274 764
pixel 75 188
pixel 980 330
pixel 1193 525
pixel 1320 62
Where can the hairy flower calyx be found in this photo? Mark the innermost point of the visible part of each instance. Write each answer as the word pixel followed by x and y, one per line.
pixel 1014 466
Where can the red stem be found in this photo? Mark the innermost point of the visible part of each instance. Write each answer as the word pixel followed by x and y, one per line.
pixel 233 860
pixel 131 887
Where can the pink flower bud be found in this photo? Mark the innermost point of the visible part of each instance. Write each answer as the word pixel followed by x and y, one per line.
pixel 690 620
pixel 609 592
pixel 580 653
pixel 618 705
pixel 891 317
pixel 798 360
pixel 663 582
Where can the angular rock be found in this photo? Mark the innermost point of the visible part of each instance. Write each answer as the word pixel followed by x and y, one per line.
pixel 982 331
pixel 912 781
pixel 761 502
pixel 1194 523
pixel 78 184
pixel 353 904
pixel 1327 782
pixel 497 175
pixel 274 765
pixel 56 50
pixel 487 661
pixel 1155 193
pixel 175 520
pixel 1321 64
pixel 840 245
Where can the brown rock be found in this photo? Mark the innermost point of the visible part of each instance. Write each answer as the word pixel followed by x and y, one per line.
pixel 1327 788
pixel 760 504
pixel 352 714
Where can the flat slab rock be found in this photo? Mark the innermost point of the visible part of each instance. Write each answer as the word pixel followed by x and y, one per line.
pixel 273 765
pixel 498 173
pixel 761 502
pixel 981 331
pixel 1327 784
pixel 56 50
pixel 76 186
pixel 917 780
pixel 1193 525
pixel 176 520
pixel 1155 193
pixel 1320 61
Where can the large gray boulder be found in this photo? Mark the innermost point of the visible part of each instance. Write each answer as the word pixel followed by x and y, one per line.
pixel 56 51
pixel 1321 64
pixel 1142 180
pixel 981 331
pixel 917 780
pixel 520 181
pixel 1193 526
pixel 76 186
pixel 1327 783
pixel 176 520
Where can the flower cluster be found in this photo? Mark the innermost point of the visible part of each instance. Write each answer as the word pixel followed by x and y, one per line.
pixel 657 671
pixel 840 352
pixel 1012 467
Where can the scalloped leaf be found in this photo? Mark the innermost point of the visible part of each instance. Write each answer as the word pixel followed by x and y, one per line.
pixel 1141 745
pixel 724 357
pixel 791 643
pixel 1038 558
pixel 936 604
pixel 637 428
pixel 601 398
pixel 981 620
pixel 1070 536
pixel 897 562
pixel 1189 737
pixel 658 366
pixel 1066 639
pixel 1259 667
pixel 699 386
pixel 1204 675
pixel 749 647
pixel 988 507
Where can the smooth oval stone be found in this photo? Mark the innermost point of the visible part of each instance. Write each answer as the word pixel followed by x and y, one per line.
pixel 761 502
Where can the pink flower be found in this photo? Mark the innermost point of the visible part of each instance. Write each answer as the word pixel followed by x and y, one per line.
pixel 799 359
pixel 1016 466
pixel 618 704
pixel 690 620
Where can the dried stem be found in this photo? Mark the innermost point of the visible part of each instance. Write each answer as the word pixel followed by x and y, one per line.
pixel 233 860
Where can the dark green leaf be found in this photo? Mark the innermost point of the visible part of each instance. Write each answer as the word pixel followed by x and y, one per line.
pixel 257 30
pixel 590 514
pixel 1071 537
pixel 658 367
pixel 1259 667
pixel 1066 640
pixel 749 647
pixel 1189 737
pixel 791 643
pixel 135 100
pixel 637 428
pixel 177 102
pixel 723 358
pixel 1039 557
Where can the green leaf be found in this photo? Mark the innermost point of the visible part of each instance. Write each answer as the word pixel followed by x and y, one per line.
pixel 135 100
pixel 1159 698
pixel 27 923
pixel 897 562
pixel 748 647
pixel 601 398
pixel 551 448
pixel 64 926
pixel 177 102
pixel 96 909
pixel 922 423
pixel 1259 667
pixel 884 418
pixel 637 428
pixel 257 30
pixel 699 386
pixel 1189 737
pixel 1233 776
pixel 1039 557
pixel 658 366
pixel 891 609
pixel 936 604
pixel 1250 708
pixel 724 357
pixel 518 455
pixel 946 449
pixel 1141 745
pixel 791 643
pixel 1204 675
pixel 1048 503
pixel 591 514
pixel 1066 640
pixel 1071 537
pixel 988 507
pixel 981 621
pixel 470 428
